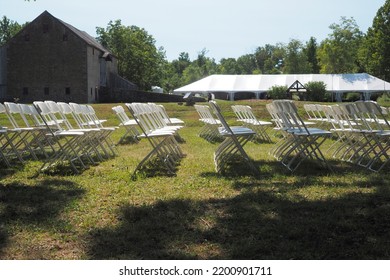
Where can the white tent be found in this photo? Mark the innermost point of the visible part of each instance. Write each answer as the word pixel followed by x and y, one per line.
pixel 337 83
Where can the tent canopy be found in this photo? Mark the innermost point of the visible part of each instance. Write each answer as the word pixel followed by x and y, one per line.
pixel 338 83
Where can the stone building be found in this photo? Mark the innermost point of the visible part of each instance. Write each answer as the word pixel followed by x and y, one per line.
pixel 52 60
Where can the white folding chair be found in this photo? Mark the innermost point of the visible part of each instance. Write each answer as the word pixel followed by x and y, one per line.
pixel 234 140
pixel 162 111
pixel 161 137
pixel 27 135
pixel 378 129
pixel 69 145
pixel 301 142
pixel 246 115
pixel 130 125
pixel 86 118
pixel 210 129
pixel 11 143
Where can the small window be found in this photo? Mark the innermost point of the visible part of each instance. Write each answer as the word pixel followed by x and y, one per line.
pixel 45 28
pixel 27 37
pixel 46 90
pixel 67 90
pixel 65 37
pixel 25 91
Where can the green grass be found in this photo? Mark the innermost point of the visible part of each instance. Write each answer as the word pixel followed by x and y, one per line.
pixel 198 214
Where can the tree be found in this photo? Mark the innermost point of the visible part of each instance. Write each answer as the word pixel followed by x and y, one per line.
pixel 247 64
pixel 228 66
pixel 139 60
pixel 338 53
pixel 269 56
pixel 374 53
pixel 311 54
pixel 181 63
pixel 295 59
pixel 8 29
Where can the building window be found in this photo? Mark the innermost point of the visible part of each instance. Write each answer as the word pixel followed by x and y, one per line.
pixel 67 90
pixel 45 28
pixel 27 37
pixel 25 91
pixel 65 37
pixel 46 91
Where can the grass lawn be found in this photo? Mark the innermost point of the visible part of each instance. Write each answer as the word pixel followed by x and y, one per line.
pixel 198 214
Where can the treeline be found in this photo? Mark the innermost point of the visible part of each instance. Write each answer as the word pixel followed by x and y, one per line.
pixel 346 50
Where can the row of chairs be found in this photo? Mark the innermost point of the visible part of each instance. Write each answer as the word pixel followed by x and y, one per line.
pixel 245 115
pixel 162 134
pixel 363 133
pixel 211 125
pixel 299 141
pixel 61 133
pixel 233 137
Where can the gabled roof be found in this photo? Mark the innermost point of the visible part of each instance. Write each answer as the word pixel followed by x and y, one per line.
pixel 361 82
pixel 88 39
pixel 84 36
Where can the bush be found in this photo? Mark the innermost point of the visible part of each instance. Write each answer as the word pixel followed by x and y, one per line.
pixel 352 96
pixel 384 100
pixel 278 92
pixel 316 91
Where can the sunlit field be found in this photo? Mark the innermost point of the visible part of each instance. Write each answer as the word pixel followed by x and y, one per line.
pixel 102 213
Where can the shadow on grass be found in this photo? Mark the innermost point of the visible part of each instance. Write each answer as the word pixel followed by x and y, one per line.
pixel 37 205
pixel 258 224
pixel 270 169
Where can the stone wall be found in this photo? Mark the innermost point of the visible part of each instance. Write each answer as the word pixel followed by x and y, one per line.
pixel 46 61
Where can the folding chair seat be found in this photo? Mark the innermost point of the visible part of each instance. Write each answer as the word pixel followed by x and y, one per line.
pixel 130 125
pixel 33 120
pixel 246 115
pixel 69 145
pixel 210 130
pixel 163 113
pixel 347 131
pixel 362 138
pixel 12 144
pixel 86 118
pixel 94 144
pixel 315 113
pixel 3 144
pixel 31 135
pixel 301 142
pixel 162 138
pixel 234 140
pixel 157 119
pixel 27 135
pixel 378 129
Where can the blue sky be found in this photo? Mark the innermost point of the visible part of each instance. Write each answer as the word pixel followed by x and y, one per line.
pixel 226 28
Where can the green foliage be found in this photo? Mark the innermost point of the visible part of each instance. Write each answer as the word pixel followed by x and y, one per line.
pixel 278 92
pixel 311 55
pixel 374 52
pixel 315 91
pixel 384 99
pixel 338 53
pixel 352 96
pixel 296 61
pixel 139 60
pixel 8 28
pixel 268 57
